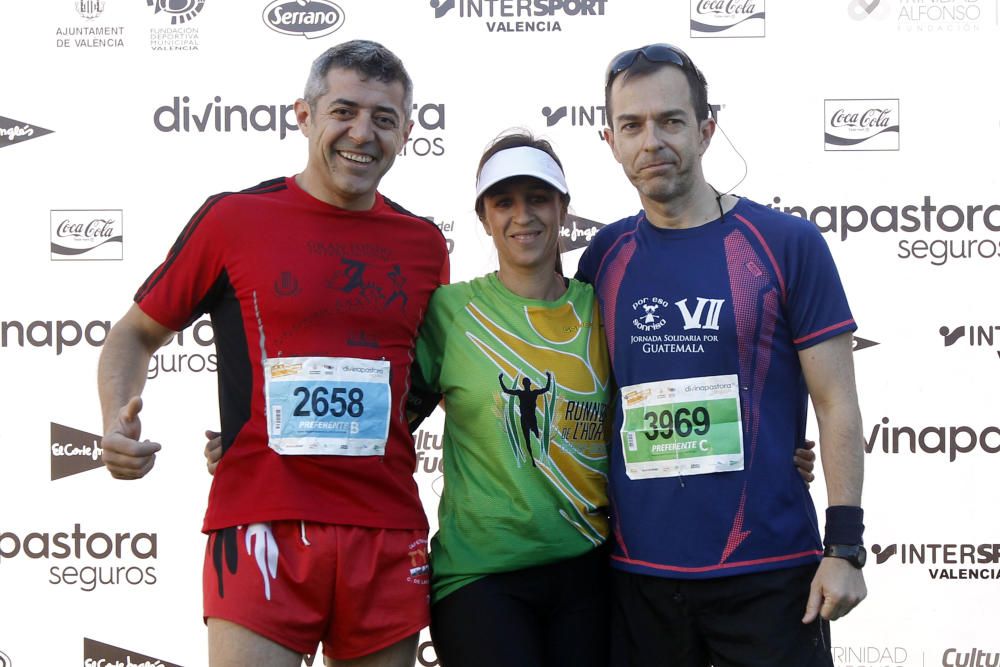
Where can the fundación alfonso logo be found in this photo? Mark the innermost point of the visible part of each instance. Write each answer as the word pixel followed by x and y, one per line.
pixel 304 18
pixel 861 125
pixel 520 15
pixel 86 234
pixel 99 654
pixel 16 131
pixel 727 18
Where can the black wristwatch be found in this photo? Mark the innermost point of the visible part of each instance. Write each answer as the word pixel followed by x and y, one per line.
pixel 854 554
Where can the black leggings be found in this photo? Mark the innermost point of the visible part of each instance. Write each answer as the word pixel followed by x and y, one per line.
pixel 547 616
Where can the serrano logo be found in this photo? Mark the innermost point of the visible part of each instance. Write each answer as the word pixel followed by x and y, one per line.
pixel 99 654
pixel 86 235
pixel 305 18
pixel 15 131
pixel 727 18
pixel 73 451
pixel 862 125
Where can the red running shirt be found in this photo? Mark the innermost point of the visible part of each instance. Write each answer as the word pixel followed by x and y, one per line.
pixel 327 283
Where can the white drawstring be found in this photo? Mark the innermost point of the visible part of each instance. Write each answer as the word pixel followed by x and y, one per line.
pixel 304 540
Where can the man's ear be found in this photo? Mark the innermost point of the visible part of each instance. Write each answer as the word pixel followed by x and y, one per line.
pixel 303 116
pixel 609 139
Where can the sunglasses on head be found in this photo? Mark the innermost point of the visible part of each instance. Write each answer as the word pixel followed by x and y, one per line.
pixel 657 53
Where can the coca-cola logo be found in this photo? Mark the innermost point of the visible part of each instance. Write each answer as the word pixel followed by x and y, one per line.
pixel 861 124
pixel 727 7
pixel 867 118
pixel 306 18
pixel 89 234
pixel 96 228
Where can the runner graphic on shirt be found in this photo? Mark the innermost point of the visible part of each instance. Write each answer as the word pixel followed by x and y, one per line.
pixel 527 399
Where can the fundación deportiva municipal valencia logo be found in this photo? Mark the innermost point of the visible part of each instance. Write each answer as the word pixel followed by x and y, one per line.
pixel 304 18
pixel 179 11
pixel 727 18
pixel 861 125
pixel 16 131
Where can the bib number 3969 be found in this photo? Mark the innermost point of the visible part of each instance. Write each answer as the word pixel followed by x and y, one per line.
pixel 690 426
pixel 685 422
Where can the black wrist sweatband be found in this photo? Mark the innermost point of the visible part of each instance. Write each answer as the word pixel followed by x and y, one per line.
pixel 844 525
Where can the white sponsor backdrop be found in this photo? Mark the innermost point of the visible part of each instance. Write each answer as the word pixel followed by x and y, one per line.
pixel 130 143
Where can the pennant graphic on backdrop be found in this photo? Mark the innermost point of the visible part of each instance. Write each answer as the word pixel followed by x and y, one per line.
pixel 112 655
pixel 16 132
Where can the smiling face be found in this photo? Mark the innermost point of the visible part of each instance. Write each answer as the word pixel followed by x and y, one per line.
pixel 656 136
pixel 523 215
pixel 355 131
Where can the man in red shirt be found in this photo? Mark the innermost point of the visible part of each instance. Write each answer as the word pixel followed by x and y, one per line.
pixel 316 285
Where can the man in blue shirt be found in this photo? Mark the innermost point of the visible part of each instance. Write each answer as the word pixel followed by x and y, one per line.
pixel 723 318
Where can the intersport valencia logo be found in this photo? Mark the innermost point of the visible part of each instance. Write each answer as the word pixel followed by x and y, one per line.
pixel 304 18
pixel 16 131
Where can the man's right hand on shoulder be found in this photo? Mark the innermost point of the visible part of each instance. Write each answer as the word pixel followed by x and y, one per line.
pixel 123 455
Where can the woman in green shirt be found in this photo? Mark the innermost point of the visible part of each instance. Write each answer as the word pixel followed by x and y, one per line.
pixel 518 572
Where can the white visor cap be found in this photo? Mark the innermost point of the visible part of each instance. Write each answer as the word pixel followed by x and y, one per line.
pixel 520 161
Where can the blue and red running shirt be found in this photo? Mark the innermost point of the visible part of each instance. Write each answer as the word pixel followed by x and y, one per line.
pixel 741 295
pixel 283 274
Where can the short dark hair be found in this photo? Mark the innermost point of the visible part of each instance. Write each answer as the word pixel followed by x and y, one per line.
pixel 369 59
pixel 644 67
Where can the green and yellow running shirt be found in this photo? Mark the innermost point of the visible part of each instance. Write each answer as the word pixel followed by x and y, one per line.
pixel 525 385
